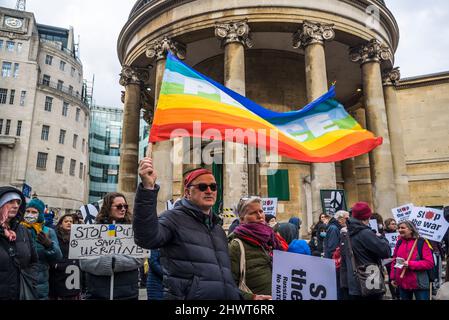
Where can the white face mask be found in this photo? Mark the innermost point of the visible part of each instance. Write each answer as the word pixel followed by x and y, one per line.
pixel 272 223
pixel 31 217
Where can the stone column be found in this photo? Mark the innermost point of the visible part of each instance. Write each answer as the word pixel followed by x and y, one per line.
pixel 391 79
pixel 234 37
pixel 132 79
pixel 311 37
pixel 166 162
pixel 381 164
pixel 350 181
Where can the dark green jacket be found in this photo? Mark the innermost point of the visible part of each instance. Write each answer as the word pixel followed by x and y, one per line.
pixel 259 266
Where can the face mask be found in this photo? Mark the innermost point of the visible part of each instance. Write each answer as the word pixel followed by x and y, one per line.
pixel 323 234
pixel 31 217
pixel 272 224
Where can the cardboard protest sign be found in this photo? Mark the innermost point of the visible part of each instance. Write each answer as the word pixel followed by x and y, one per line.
pixel 392 240
pixel 373 225
pixel 269 205
pixel 302 277
pixel 430 223
pixel 94 240
pixel 403 212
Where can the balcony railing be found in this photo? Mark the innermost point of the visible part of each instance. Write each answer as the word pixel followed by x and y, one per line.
pixel 59 46
pixel 63 89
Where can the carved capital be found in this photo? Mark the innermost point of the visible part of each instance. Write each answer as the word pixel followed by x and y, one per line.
pixel 132 75
pixel 159 49
pixel 236 31
pixel 391 77
pixel 313 32
pixel 373 51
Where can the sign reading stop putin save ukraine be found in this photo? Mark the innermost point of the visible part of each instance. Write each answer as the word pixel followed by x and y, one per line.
pixel 430 223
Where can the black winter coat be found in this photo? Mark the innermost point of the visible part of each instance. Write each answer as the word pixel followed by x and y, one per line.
pixel 194 249
pixel 367 247
pixel 58 275
pixel 23 249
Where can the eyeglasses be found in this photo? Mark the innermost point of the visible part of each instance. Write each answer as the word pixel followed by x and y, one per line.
pixel 203 186
pixel 121 206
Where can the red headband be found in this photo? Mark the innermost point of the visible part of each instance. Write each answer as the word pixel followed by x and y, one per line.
pixel 193 175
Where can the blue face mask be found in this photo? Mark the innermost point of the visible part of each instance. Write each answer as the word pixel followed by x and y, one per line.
pixel 323 234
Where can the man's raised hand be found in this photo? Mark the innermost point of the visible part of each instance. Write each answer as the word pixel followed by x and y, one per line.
pixel 147 173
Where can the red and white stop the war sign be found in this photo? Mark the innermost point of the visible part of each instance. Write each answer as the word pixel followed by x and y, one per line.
pixel 430 223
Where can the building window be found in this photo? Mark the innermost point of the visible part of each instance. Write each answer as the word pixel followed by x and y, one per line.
pixel 59 164
pixel 48 103
pixel 75 140
pixel 78 110
pixel 49 59
pixel 62 65
pixel 46 80
pixel 1 44
pixel 85 171
pixel 8 127
pixel 61 136
pixel 41 160
pixel 19 128
pixel 16 70
pixel 6 69
pixel 10 46
pixel 278 185
pixel 3 95
pixel 72 167
pixel 60 85
pixel 72 72
pixel 19 47
pixel 23 95
pixel 85 120
pixel 83 145
pixel 11 96
pixel 1 126
pixel 45 132
pixel 70 89
pixel 65 108
pixel 81 170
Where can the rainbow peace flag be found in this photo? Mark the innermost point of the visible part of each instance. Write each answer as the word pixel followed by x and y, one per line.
pixel 322 131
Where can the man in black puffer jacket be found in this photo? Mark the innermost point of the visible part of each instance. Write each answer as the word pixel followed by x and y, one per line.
pixel 367 246
pixel 194 248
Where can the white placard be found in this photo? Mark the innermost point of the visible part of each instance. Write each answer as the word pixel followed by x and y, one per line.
pixel 302 277
pixel 95 240
pixel 269 205
pixel 403 212
pixel 392 240
pixel 373 225
pixel 429 222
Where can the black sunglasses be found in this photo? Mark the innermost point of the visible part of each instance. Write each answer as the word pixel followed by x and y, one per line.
pixel 203 186
pixel 121 206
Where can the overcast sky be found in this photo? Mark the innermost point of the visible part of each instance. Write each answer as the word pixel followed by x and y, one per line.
pixel 423 46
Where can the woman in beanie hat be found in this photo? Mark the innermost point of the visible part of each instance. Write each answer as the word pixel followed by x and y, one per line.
pixel 415 280
pixel 17 252
pixel 367 248
pixel 61 270
pixel 46 243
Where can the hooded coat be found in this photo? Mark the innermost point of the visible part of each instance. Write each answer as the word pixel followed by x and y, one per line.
pixel 194 248
pixel 23 248
pixel 332 239
pixel 46 256
pixel 367 247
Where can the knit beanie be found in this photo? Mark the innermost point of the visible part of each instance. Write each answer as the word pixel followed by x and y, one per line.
pixel 8 196
pixel 40 206
pixel 361 211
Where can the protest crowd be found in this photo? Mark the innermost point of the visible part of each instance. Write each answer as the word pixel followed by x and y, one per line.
pixel 192 257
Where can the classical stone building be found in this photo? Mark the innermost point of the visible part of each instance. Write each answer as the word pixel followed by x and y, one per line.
pixel 283 54
pixel 44 116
